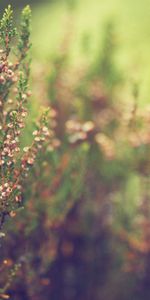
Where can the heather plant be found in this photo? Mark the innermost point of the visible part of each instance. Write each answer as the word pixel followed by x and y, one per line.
pixel 15 162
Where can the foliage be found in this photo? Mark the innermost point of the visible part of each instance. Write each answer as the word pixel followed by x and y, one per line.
pixel 15 162
pixel 90 183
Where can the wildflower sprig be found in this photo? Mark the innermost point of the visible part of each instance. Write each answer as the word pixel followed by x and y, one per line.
pixel 11 274
pixel 24 35
pixel 14 95
pixel 7 30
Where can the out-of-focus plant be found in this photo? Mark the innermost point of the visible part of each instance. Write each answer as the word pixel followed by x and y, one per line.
pixel 117 134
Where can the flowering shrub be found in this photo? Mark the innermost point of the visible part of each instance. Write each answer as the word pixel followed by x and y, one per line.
pixel 14 93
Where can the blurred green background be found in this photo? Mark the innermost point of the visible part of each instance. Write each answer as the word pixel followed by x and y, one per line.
pixel 132 22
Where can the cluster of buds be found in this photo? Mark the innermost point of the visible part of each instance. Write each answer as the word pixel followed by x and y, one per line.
pixel 6 189
pixel 6 71
pixel 30 153
pixel 79 132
